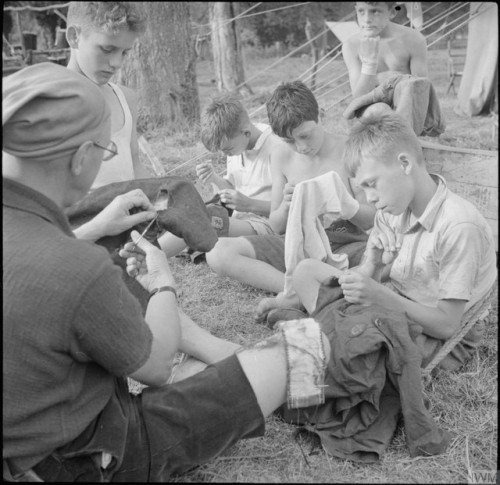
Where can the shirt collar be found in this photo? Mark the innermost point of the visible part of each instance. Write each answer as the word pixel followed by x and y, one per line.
pixel 24 198
pixel 426 220
pixel 266 131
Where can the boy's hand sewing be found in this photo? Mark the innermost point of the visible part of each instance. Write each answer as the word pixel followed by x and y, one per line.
pixel 147 263
pixel 288 194
pixel 235 200
pixel 204 171
pixel 383 247
pixel 359 288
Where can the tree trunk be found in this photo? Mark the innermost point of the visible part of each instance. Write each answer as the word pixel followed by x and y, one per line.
pixel 162 68
pixel 226 45
pixel 315 23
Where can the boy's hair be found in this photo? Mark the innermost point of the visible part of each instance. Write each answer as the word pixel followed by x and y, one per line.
pixel 378 136
pixel 290 105
pixel 110 17
pixel 390 5
pixel 223 118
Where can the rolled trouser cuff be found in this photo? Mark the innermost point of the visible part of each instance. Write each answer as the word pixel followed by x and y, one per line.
pixel 306 362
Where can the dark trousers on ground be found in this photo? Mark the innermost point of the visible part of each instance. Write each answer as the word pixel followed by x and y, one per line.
pixel 164 431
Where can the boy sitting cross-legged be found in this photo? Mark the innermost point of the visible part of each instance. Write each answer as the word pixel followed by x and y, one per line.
pixel 246 188
pixel 259 261
pixel 434 247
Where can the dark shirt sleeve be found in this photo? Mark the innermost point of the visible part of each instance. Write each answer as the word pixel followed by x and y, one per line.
pixel 108 327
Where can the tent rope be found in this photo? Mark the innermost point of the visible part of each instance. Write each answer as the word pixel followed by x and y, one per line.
pixel 432 21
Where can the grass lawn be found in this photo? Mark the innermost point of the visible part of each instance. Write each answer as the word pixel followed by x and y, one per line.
pixel 463 403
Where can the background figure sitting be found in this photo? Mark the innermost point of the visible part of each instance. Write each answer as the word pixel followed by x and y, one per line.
pixel 387 63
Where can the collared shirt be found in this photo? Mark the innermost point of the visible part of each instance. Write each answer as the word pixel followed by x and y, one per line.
pixel 250 172
pixel 69 326
pixel 447 253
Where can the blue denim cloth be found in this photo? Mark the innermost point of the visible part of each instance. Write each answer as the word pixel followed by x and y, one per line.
pixel 163 431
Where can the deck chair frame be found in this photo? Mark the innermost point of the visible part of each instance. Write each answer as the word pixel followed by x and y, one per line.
pixel 477 312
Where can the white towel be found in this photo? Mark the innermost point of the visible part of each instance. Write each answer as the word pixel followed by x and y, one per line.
pixel 316 203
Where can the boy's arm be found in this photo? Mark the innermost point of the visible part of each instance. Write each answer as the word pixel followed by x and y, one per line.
pixel 418 60
pixel 140 171
pixel 458 253
pixel 279 207
pixel 361 80
pixel 440 322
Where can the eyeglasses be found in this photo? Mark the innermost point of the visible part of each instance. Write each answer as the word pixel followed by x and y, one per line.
pixel 111 150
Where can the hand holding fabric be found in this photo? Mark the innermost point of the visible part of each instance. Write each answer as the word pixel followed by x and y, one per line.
pixel 235 200
pixel 116 217
pixel 146 263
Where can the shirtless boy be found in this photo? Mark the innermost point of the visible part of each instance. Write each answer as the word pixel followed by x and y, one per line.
pixel 382 47
pixel 310 151
pixel 100 35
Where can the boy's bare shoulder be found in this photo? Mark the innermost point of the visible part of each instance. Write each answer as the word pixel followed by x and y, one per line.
pixel 407 34
pixel 130 96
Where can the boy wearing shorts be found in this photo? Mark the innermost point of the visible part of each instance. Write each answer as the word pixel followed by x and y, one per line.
pixel 433 247
pixel 310 151
pixel 246 187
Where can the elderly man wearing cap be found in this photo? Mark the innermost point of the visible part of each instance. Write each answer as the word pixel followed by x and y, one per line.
pixel 72 331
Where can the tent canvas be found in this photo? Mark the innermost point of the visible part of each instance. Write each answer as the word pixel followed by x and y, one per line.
pixel 343 30
pixel 480 76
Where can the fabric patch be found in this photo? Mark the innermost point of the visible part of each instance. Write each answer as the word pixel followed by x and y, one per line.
pixel 306 362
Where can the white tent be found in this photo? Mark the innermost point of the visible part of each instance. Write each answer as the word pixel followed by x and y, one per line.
pixel 480 76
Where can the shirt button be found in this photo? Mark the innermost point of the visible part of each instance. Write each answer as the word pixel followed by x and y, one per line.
pixel 358 329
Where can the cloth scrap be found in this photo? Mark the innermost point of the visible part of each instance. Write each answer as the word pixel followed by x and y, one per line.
pixel 306 362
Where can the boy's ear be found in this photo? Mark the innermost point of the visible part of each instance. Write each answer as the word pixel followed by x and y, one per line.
pixel 81 158
pixel 405 162
pixel 72 36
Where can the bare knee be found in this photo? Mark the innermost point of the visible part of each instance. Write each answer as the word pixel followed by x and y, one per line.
pixel 304 272
pixel 225 252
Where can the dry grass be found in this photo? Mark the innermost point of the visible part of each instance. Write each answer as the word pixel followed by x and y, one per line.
pixel 463 403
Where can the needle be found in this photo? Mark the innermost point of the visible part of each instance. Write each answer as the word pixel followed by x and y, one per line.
pixel 145 231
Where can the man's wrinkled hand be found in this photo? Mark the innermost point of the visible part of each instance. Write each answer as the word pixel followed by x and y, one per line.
pixel 146 263
pixel 116 217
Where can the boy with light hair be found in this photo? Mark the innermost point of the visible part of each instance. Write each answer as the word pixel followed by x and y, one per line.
pixel 435 248
pixel 308 152
pixel 246 188
pixel 100 35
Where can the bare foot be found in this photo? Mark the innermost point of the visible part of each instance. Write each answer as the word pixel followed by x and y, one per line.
pixel 279 301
